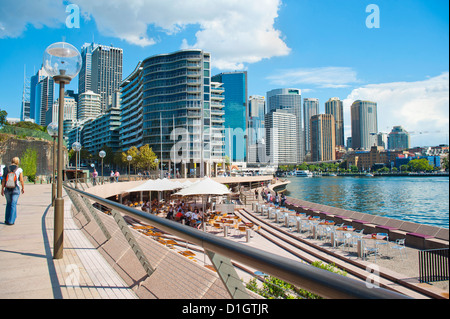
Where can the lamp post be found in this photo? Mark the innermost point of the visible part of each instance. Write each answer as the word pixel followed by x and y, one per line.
pixel 129 158
pixel 52 130
pixel 76 146
pixel 102 154
pixel 62 61
pixel 156 161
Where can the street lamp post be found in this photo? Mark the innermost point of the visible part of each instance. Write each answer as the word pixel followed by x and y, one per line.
pixel 129 158
pixel 62 61
pixel 102 154
pixel 52 130
pixel 76 146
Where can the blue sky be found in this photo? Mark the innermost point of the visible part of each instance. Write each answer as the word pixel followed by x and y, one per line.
pixel 322 47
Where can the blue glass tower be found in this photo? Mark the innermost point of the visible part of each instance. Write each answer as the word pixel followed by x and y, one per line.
pixel 235 85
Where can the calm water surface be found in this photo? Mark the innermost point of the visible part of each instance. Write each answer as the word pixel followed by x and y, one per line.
pixel 423 200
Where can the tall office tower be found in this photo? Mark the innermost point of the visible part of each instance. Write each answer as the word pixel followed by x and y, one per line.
pixel 255 123
pixel 291 101
pixel 310 108
pixel 323 137
pixel 177 95
pixel 382 140
pixel 281 137
pixel 43 96
pixel 89 105
pixel 217 121
pixel 335 107
pixel 106 73
pixel 364 124
pixel 398 139
pixel 235 85
pixel 255 129
pixel 25 111
pixel 131 110
pixel 85 75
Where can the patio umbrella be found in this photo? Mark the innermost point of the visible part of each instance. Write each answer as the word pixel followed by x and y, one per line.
pixel 204 187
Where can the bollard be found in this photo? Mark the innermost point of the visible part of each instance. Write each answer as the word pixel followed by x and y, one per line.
pixel 247 235
pixel 225 231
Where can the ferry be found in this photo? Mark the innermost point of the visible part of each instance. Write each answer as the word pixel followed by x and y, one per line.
pixel 304 174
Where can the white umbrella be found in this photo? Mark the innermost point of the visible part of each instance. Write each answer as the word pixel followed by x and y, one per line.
pixel 204 187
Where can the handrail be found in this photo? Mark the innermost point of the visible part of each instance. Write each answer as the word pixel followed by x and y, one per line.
pixel 319 281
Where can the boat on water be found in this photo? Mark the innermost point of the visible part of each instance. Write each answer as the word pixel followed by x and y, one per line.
pixel 369 175
pixel 305 173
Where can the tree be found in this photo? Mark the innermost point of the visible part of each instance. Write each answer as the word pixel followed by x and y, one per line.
pixel 29 164
pixel 3 115
pixel 420 165
pixel 444 164
pixel 146 158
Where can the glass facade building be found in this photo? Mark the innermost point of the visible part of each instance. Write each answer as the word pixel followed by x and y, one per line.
pixel 310 108
pixel 235 85
pixel 182 111
pixel 335 107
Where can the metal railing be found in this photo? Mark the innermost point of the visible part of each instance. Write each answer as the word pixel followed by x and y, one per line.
pixel 221 251
pixel 433 265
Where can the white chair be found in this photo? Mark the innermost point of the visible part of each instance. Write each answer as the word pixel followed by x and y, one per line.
pixel 383 242
pixel 370 250
pixel 400 246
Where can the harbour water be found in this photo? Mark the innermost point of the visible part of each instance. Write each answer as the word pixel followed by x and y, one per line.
pixel 423 200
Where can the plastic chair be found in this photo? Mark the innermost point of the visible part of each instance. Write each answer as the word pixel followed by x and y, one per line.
pixel 370 250
pixel 383 242
pixel 400 246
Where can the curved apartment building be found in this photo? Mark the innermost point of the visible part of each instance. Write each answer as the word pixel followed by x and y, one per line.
pixel 181 111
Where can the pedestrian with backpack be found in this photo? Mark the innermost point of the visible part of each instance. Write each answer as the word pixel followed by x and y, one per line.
pixel 12 175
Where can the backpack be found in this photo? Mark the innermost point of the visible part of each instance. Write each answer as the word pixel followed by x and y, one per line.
pixel 11 179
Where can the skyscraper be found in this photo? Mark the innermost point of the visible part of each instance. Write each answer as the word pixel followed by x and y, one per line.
pixel 335 107
pixel 85 75
pixel 178 95
pixel 41 96
pixel 364 124
pixel 106 73
pixel 256 130
pixel 235 85
pixel 310 108
pixel 398 139
pixel 323 138
pixel 281 137
pixel 291 101
pixel 89 105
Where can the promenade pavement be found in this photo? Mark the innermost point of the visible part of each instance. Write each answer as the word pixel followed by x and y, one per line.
pixel 28 270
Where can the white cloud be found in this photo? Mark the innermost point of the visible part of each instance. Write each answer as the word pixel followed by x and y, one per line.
pixel 234 31
pixel 322 77
pixel 16 15
pixel 421 107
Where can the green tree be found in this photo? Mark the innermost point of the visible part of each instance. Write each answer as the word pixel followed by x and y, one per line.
pixel 420 165
pixel 29 164
pixel 146 158
pixel 3 115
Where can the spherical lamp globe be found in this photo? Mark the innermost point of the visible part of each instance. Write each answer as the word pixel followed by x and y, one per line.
pixel 62 61
pixel 76 146
pixel 52 129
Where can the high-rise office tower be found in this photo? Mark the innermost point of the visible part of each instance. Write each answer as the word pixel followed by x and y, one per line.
pixel 291 101
pixel 106 73
pixel 398 139
pixel 255 129
pixel 41 96
pixel 281 137
pixel 235 85
pixel 178 95
pixel 85 75
pixel 25 112
pixel 364 124
pixel 310 108
pixel 335 107
pixel 323 137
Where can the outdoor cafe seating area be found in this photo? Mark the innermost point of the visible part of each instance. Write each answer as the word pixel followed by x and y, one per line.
pixel 345 237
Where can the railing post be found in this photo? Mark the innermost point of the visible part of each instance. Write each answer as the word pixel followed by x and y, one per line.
pixel 228 275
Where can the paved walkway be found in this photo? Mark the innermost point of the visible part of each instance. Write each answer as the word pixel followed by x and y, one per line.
pixel 28 269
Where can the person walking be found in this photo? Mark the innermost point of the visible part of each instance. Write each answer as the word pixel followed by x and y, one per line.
pixel 12 176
